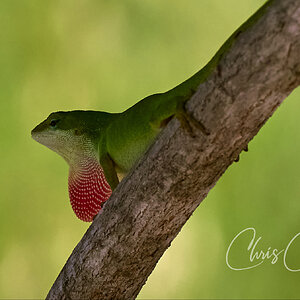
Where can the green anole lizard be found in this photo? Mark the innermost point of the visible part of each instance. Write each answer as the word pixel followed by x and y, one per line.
pixel 99 146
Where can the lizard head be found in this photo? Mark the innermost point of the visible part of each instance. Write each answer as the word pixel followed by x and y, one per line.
pixel 72 135
pixel 65 133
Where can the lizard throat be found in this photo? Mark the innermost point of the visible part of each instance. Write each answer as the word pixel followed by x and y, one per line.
pixel 88 188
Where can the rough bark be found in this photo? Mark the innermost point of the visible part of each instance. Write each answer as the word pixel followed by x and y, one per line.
pixel 150 206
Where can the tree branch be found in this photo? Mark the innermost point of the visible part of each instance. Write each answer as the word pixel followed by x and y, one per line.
pixel 150 206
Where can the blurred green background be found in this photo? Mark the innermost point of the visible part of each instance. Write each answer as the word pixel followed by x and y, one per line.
pixel 106 55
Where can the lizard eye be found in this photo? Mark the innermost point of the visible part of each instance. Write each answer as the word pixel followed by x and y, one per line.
pixel 53 123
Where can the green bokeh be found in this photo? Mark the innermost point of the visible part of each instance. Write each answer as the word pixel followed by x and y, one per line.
pixel 106 55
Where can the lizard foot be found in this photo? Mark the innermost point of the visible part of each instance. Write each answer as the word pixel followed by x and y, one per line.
pixel 187 122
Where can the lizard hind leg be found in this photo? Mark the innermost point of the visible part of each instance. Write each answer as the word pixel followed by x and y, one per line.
pixel 164 122
pixel 175 107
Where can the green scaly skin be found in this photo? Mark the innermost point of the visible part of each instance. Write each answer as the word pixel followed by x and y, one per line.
pixel 120 139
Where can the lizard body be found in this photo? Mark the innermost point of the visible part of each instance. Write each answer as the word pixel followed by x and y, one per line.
pixel 98 145
pixel 101 147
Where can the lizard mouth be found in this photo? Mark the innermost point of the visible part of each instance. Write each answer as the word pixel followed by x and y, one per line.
pixel 88 189
pixel 51 140
pixel 41 137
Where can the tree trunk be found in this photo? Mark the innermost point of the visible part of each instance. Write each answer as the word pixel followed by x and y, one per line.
pixel 260 66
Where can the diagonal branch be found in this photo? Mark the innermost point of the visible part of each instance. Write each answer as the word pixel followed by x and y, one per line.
pixel 259 68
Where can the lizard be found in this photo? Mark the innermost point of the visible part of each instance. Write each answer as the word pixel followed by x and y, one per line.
pixel 101 147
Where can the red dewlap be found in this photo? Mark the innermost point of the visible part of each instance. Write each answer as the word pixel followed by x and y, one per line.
pixel 88 189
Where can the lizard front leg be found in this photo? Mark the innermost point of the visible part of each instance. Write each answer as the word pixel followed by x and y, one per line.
pixel 110 173
pixel 108 165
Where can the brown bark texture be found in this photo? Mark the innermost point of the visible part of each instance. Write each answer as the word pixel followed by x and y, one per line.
pixel 151 205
